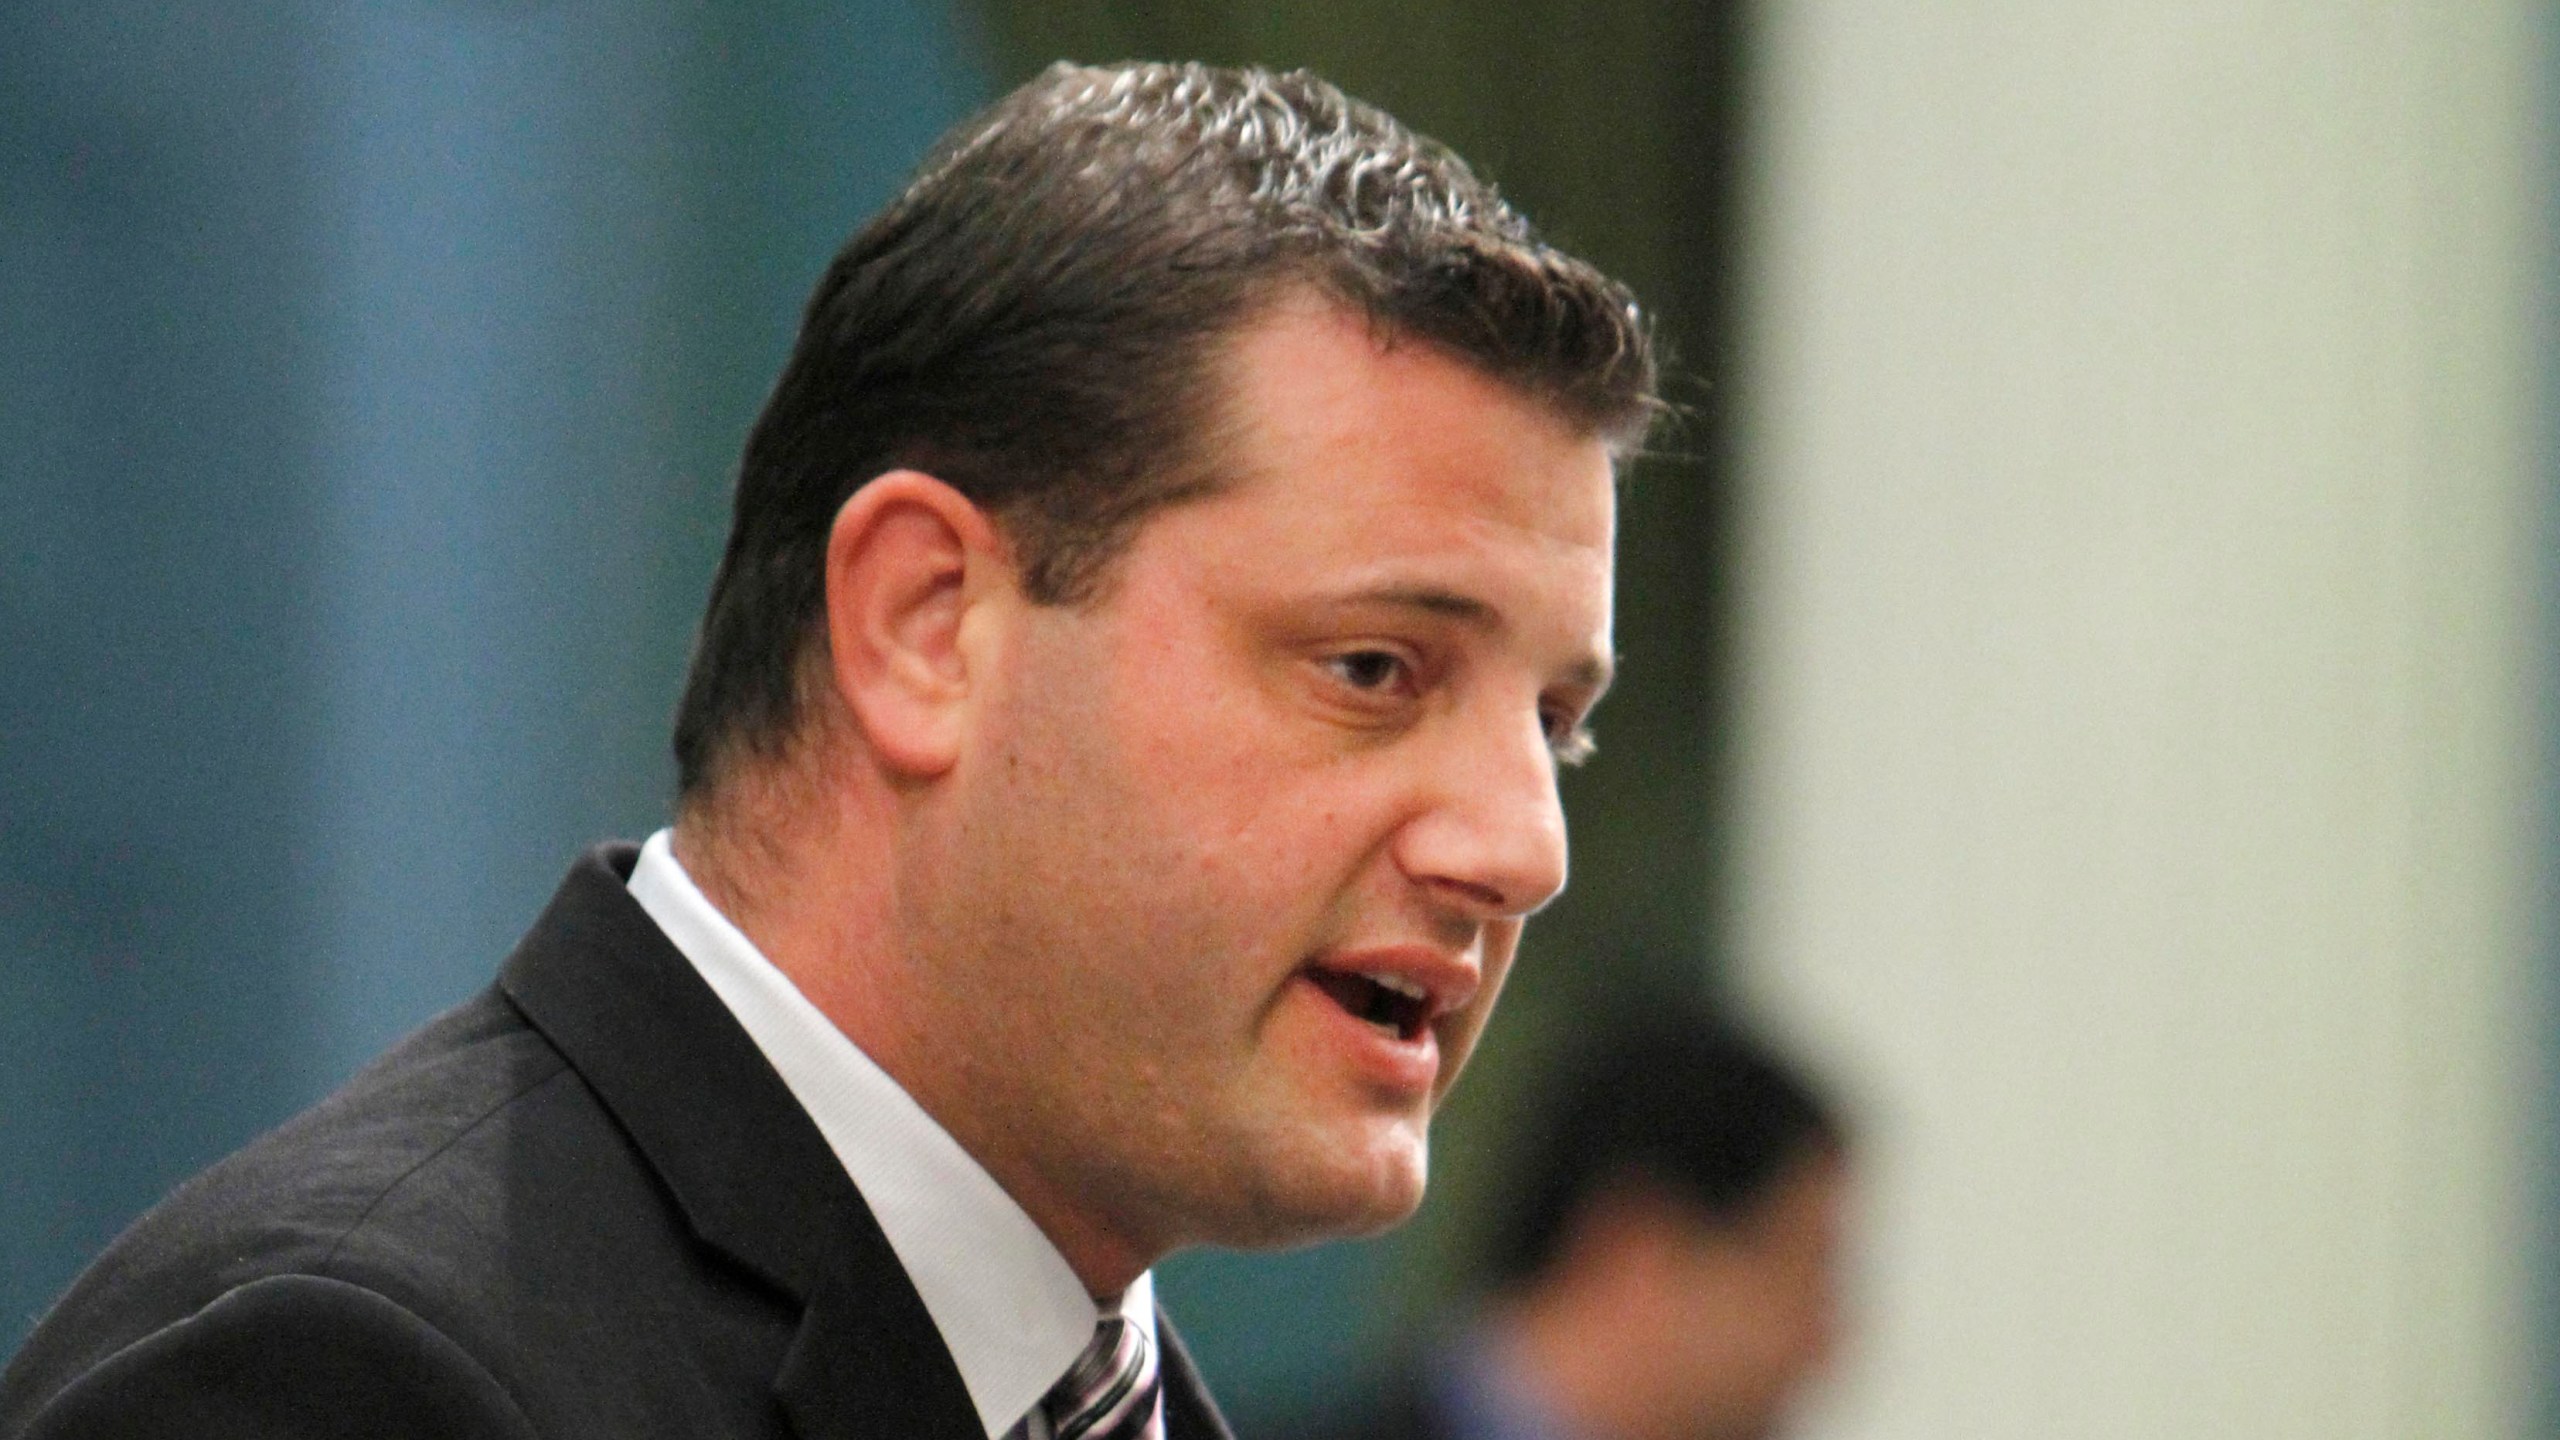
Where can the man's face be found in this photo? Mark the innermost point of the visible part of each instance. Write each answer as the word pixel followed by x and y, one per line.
pixel 1240 850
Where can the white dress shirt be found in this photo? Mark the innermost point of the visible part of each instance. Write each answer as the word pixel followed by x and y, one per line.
pixel 1010 1309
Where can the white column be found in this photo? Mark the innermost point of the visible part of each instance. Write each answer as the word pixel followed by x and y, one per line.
pixel 2138 796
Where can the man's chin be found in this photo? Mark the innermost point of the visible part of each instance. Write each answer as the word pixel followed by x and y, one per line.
pixel 1357 1189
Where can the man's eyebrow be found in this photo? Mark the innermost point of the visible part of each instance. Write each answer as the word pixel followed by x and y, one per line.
pixel 1455 605
pixel 1592 672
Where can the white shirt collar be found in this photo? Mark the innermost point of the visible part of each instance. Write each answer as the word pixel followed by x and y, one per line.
pixel 1010 1309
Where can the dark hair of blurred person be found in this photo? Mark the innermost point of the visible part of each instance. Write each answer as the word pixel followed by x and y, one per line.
pixel 1666 1266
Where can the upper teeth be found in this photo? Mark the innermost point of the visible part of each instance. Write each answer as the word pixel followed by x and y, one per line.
pixel 1401 986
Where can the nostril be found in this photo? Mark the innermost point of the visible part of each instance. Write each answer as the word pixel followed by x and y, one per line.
pixel 1478 893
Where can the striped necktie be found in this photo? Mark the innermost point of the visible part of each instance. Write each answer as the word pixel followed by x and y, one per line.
pixel 1112 1390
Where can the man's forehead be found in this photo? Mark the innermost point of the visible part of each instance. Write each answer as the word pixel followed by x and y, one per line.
pixel 1302 319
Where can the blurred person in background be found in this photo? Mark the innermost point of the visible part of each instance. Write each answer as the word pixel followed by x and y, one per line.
pixel 1119 756
pixel 1667 1268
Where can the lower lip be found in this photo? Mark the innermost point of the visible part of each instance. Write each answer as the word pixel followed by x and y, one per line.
pixel 1403 1068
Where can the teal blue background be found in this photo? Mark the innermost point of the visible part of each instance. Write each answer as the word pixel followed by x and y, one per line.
pixel 370 377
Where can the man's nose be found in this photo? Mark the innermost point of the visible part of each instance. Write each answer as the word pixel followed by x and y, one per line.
pixel 1492 840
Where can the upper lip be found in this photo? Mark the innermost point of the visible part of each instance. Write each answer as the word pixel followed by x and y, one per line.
pixel 1447 979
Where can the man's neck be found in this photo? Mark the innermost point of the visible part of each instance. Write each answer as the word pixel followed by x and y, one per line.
pixel 810 892
pixel 817 901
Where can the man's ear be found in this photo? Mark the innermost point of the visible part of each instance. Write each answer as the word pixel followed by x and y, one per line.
pixel 906 559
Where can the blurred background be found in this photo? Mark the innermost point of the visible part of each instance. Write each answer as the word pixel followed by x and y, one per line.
pixel 2088 642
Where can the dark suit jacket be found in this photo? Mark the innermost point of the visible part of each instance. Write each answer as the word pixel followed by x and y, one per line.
pixel 581 1204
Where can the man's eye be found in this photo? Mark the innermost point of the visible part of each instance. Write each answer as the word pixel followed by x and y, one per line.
pixel 1367 669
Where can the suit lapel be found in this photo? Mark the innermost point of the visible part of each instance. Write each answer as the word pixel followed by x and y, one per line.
pixel 747 1167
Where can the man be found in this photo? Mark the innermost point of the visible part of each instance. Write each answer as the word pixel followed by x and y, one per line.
pixel 1668 1268
pixel 1119 754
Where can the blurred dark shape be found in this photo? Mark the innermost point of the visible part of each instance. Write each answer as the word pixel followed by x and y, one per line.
pixel 1667 1266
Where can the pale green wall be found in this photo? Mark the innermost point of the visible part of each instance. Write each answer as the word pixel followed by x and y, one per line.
pixel 2145 725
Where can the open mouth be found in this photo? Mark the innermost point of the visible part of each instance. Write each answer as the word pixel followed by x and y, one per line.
pixel 1395 1007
